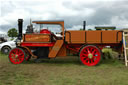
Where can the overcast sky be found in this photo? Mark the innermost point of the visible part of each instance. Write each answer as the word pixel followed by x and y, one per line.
pixel 73 12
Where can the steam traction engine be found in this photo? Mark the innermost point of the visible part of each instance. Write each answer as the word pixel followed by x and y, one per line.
pixel 45 44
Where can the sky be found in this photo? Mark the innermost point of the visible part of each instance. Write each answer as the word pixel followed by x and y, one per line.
pixel 73 12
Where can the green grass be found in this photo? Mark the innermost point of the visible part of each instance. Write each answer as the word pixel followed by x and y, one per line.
pixel 62 71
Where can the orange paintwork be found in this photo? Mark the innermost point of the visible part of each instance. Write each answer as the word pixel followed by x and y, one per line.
pixel 97 37
pixel 37 38
pixel 56 48
pixel 62 51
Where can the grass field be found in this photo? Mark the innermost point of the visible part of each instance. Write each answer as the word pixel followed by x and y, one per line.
pixel 62 71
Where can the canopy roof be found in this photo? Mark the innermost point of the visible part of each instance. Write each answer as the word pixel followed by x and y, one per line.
pixel 49 22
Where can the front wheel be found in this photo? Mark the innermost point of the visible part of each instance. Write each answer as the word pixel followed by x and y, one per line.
pixel 90 55
pixel 16 55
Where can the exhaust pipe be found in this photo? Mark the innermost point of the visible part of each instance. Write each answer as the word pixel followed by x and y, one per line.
pixel 20 25
pixel 84 25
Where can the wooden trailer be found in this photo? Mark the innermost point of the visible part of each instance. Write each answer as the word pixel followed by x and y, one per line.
pixel 45 44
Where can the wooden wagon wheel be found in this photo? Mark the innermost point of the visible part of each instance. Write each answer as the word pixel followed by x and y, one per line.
pixel 16 56
pixel 90 55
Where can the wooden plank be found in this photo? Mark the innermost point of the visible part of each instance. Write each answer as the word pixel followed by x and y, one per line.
pixel 101 36
pixel 37 38
pixel 55 49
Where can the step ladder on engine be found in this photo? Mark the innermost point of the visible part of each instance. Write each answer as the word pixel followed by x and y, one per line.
pixel 125 44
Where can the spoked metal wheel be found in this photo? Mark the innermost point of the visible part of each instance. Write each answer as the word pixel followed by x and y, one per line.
pixel 16 56
pixel 90 55
pixel 27 55
pixel 27 58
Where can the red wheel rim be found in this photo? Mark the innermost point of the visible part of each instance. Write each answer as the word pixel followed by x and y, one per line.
pixel 27 55
pixel 90 55
pixel 16 56
pixel 27 58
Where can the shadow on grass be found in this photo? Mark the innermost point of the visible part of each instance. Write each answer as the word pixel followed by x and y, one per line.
pixel 56 61
pixel 76 61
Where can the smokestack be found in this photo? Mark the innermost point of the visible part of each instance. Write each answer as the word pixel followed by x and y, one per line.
pixel 84 25
pixel 20 25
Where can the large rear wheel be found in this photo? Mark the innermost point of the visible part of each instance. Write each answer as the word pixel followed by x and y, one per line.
pixel 16 56
pixel 90 55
